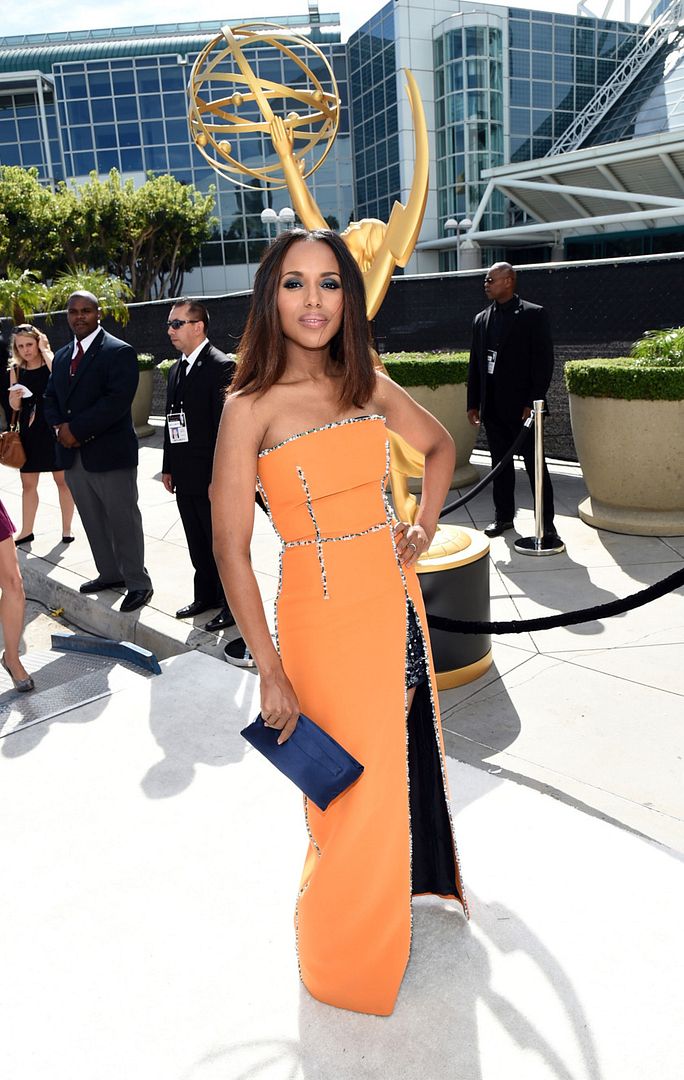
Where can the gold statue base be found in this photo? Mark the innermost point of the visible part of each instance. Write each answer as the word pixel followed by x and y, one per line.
pixel 460 557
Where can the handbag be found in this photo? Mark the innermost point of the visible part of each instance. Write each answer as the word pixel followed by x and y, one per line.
pixel 12 451
pixel 311 758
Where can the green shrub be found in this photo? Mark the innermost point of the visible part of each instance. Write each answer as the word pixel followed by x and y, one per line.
pixel 660 348
pixel 165 367
pixel 146 361
pixel 426 369
pixel 624 377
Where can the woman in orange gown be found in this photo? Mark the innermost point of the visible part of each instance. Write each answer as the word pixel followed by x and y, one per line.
pixel 306 421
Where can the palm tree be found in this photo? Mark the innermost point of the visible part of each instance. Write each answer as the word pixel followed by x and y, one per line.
pixel 111 292
pixel 22 294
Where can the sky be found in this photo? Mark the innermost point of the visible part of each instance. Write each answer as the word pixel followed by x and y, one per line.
pixel 34 16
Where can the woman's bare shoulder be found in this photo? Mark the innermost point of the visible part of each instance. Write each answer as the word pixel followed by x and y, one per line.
pixel 249 415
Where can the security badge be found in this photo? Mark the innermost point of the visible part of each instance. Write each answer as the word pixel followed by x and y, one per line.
pixel 178 429
pixel 491 361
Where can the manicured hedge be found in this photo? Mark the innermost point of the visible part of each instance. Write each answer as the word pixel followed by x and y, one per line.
pixel 624 377
pixel 426 369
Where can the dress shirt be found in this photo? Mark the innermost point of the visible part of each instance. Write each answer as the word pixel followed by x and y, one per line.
pixel 86 342
pixel 193 355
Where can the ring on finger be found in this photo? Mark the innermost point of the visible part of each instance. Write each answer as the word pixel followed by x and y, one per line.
pixel 413 546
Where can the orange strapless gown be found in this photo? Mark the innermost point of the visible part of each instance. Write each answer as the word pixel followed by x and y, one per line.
pixel 341 624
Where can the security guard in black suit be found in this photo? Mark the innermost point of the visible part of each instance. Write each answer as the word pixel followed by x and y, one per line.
pixel 511 363
pixel 194 402
pixel 88 404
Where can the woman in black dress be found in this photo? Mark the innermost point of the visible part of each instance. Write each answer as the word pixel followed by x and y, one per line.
pixel 30 365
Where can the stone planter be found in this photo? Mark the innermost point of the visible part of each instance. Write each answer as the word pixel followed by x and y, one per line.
pixel 448 404
pixel 142 404
pixel 632 458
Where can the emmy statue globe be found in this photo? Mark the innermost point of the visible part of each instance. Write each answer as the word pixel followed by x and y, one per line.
pixel 265 135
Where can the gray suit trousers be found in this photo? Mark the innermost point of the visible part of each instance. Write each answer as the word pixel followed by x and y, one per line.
pixel 107 503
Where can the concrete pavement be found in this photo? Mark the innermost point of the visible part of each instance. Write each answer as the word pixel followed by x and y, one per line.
pixel 151 859
pixel 150 863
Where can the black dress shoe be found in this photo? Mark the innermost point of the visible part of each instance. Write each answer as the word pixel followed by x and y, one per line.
pixel 135 599
pixel 220 621
pixel 195 608
pixel 25 539
pixel 98 585
pixel 498 527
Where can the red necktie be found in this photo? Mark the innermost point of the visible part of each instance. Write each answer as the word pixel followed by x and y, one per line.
pixel 76 359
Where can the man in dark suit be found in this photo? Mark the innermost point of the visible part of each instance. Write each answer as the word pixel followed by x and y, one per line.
pixel 88 404
pixel 194 401
pixel 511 363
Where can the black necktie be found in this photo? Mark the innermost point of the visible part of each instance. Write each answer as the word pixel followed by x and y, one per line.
pixel 180 382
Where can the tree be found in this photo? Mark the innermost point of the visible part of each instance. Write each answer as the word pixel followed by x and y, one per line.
pixel 22 294
pixel 29 234
pixel 94 221
pixel 111 292
pixel 169 222
pixel 148 237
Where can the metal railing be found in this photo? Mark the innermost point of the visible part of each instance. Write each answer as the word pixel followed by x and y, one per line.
pixel 624 75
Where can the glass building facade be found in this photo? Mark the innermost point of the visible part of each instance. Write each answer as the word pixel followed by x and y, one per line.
pixel 469 112
pixel 499 84
pixel 375 117
pixel 652 104
pixel 106 110
pixel 557 63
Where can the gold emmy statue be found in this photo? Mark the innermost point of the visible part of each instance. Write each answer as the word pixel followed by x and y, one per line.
pixel 230 102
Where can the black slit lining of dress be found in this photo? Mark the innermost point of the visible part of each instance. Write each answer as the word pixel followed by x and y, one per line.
pixel 433 861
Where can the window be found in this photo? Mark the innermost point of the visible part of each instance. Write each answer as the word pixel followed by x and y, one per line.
pixel 520 122
pixel 81 138
pixel 564 37
pixel 129 135
pixel 520 64
pixel 131 160
pixel 542 37
pixel 106 160
pixel 454 77
pixel 105 136
pixel 155 159
pixel 177 131
pixel 84 164
pixel 28 129
pixel 519 34
pixel 150 106
pixel 74 86
pixel 178 157
pixel 79 113
pixel 148 80
pixel 123 82
pixel 175 104
pixel 520 92
pixel 102 110
pixel 100 84
pixel 126 108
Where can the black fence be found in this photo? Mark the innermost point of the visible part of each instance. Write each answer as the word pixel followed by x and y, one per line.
pixel 596 309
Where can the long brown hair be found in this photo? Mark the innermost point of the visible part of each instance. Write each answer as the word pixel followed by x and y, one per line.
pixel 261 356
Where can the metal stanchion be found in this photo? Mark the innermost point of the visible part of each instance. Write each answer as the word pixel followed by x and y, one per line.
pixel 537 544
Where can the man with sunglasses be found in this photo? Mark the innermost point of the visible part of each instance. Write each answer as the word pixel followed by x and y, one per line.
pixel 511 363
pixel 194 401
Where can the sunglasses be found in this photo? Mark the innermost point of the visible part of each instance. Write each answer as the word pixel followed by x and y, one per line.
pixel 175 324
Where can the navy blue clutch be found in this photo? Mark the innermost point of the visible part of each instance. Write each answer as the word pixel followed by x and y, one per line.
pixel 311 758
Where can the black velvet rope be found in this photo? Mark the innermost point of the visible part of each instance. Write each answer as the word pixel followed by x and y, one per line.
pixel 572 618
pixel 529 424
